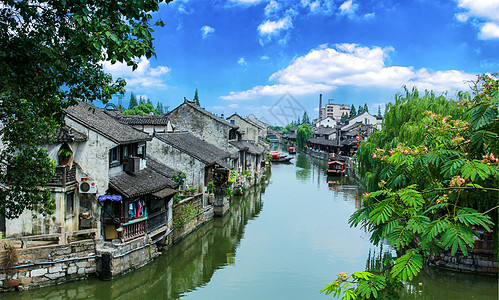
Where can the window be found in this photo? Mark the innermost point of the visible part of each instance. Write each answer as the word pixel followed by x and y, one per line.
pixel 69 203
pixel 115 155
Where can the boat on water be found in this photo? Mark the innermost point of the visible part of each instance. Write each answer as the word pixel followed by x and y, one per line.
pixel 279 157
pixel 292 150
pixel 336 166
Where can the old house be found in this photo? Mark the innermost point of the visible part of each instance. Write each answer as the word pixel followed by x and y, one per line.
pixel 190 155
pixel 126 190
pixel 203 124
pixel 249 130
pixel 64 189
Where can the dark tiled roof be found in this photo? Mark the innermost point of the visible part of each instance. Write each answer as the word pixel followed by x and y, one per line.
pixel 67 134
pixel 205 112
pixel 195 147
pixel 323 130
pixel 324 142
pixel 141 120
pixel 248 146
pixel 351 126
pixel 159 167
pixel 96 119
pixel 145 181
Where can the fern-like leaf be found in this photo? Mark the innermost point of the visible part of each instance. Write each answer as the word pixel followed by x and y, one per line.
pixel 408 265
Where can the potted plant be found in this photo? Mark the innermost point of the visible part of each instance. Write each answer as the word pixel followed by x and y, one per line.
pixel 64 156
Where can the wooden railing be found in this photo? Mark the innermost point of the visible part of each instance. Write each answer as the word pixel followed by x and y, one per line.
pixel 134 229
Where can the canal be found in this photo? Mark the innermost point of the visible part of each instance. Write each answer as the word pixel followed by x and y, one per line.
pixel 285 240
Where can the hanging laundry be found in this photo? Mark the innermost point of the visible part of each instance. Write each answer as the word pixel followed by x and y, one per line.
pixel 139 207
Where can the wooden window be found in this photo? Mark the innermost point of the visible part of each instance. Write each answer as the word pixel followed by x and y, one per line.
pixel 69 203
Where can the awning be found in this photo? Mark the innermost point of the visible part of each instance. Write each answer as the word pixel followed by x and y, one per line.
pixel 164 193
pixel 110 197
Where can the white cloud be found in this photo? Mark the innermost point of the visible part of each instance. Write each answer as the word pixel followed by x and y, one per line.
pixel 486 12
pixel 348 8
pixel 490 30
pixel 246 2
pixel 274 27
pixel 206 30
pixel 144 76
pixel 318 6
pixel 325 69
pixel 242 62
pixel 369 16
pixel 271 8
pixel 235 105
pixel 265 57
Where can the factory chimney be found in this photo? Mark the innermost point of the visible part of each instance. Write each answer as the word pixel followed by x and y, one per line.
pixel 320 106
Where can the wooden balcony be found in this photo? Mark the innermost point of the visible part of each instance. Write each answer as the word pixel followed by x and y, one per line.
pixel 134 229
pixel 63 177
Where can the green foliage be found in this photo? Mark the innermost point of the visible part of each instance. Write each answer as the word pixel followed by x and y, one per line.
pixel 288 128
pixel 196 97
pixel 353 112
pixel 182 214
pixel 142 110
pixel 305 119
pixel 433 180
pixel 303 133
pixel 51 58
pixel 160 108
pixel 344 117
pixel 133 101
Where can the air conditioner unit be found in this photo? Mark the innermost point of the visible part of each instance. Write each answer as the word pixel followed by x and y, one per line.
pixel 87 187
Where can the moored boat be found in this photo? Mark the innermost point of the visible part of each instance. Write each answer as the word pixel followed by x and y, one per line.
pixel 279 157
pixel 292 150
pixel 335 168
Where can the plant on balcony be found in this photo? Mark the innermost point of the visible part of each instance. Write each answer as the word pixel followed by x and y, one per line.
pixel 211 187
pixel 64 156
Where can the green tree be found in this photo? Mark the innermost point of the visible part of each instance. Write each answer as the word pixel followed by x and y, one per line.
pixel 366 108
pixel 160 108
pixel 360 110
pixel 434 190
pixel 344 117
pixel 51 58
pixel 148 101
pixel 142 100
pixel 142 110
pixel 298 122
pixel 353 112
pixel 196 97
pixel 379 110
pixel 303 133
pixel 133 101
pixel 305 119
pixel 288 128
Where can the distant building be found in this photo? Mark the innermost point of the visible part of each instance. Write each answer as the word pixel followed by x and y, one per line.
pixel 331 110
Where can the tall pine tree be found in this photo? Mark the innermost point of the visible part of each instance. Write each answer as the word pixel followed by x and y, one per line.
pixel 133 101
pixel 196 97
pixel 353 112
pixel 160 108
pixel 305 119
pixel 366 108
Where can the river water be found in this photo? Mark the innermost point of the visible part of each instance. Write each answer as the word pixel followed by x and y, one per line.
pixel 286 240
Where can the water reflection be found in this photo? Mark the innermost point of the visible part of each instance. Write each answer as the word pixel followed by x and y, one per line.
pixel 186 266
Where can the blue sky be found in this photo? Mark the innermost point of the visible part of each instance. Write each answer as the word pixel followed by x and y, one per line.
pixel 256 57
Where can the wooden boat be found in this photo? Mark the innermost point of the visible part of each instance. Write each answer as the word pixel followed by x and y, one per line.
pixel 335 168
pixel 279 157
pixel 292 150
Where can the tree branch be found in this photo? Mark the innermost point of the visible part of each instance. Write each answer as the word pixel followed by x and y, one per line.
pixel 483 214
pixel 459 188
